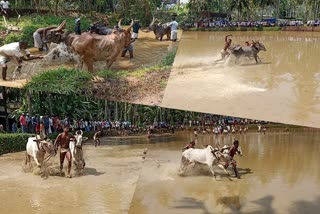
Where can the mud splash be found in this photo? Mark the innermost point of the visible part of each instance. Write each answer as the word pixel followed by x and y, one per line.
pixel 106 186
pixel 286 80
pixel 279 174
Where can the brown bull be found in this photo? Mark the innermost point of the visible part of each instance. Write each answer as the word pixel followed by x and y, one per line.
pixel 93 47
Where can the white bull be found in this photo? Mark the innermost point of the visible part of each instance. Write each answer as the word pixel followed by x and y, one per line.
pixel 37 149
pixel 76 151
pixel 207 156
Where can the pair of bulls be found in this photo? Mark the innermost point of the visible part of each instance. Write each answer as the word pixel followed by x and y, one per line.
pixel 208 156
pixel 37 149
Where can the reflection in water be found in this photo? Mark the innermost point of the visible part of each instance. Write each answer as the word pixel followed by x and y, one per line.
pixel 278 170
pixel 107 185
pixel 286 81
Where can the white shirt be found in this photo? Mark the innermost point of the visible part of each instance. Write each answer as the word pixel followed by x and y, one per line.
pixel 12 49
pixel 5 5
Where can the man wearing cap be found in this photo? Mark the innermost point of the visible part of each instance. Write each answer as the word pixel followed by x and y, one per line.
pixel 78 26
pixel 16 51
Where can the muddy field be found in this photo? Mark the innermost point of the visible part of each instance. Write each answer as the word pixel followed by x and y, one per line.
pixel 279 174
pixel 107 185
pixel 283 88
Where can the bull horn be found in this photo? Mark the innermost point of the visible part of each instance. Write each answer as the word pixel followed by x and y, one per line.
pixel 153 20
pixel 119 23
pixel 81 132
pixel 129 28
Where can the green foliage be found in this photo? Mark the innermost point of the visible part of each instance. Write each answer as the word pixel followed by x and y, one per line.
pixel 62 80
pixel 12 38
pixel 169 58
pixel 13 142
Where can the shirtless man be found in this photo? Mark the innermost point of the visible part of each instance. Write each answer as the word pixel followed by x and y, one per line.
pixel 63 139
pixel 39 36
pixel 96 138
pixel 190 145
pixel 232 151
pixel 224 51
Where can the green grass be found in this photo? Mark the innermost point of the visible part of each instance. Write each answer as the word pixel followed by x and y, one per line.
pixel 30 24
pixel 63 81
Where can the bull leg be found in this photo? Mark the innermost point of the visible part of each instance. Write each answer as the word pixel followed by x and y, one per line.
pixel 36 159
pixel 222 167
pixel 26 161
pixel 211 170
pixel 161 37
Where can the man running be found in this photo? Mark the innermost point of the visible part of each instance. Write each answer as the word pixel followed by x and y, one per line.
pixel 16 51
pixel 96 138
pixel 232 151
pixel 224 52
pixel 63 139
pixel 5 7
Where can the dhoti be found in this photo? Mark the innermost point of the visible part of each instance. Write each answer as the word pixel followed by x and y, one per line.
pixel 38 43
pixel 174 35
pixel 134 36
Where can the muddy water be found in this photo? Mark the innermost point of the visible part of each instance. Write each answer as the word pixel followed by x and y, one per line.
pixel 283 88
pixel 279 174
pixel 107 185
pixel 147 52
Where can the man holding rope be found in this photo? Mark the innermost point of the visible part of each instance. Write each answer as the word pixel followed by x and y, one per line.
pixel 63 139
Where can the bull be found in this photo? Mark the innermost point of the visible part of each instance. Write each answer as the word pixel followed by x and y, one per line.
pixel 100 29
pixel 248 51
pixel 76 151
pixel 92 47
pixel 208 156
pixel 37 148
pixel 159 29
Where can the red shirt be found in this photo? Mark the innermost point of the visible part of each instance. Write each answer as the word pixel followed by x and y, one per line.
pixel 23 120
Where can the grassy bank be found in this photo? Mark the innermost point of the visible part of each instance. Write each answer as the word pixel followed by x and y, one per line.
pixel 30 24
pixel 61 81
pixel 68 81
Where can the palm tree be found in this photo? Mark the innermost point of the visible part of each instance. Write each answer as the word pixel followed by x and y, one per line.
pixel 263 4
pixel 239 5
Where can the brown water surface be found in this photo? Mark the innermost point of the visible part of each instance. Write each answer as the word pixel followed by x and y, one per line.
pixel 283 88
pixel 107 185
pixel 279 174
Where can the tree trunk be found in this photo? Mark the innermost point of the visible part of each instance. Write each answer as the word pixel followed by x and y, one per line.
pixel 105 109
pixel 56 7
pixel 50 104
pixel 29 102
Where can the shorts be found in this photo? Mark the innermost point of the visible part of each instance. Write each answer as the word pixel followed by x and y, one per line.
pixel 130 48
pixel 4 60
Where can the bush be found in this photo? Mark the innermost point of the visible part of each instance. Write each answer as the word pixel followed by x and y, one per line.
pixel 61 81
pixel 169 58
pixel 13 142
pixel 12 38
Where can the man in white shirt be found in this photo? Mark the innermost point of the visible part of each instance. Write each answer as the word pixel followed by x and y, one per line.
pixel 174 29
pixel 17 52
pixel 5 7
